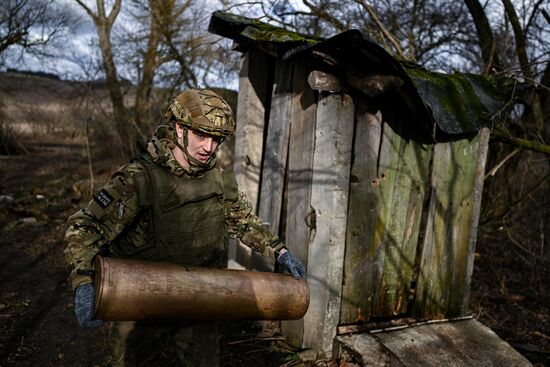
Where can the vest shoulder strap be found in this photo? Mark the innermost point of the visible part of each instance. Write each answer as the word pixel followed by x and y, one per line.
pixel 142 182
pixel 230 187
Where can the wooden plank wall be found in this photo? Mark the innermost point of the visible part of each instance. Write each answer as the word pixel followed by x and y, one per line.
pixel 354 190
pixel 255 86
pixel 329 200
pixel 448 248
pixel 389 180
pixel 299 224
pixel 253 99
pixel 276 150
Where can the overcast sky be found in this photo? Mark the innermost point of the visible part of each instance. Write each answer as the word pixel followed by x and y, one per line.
pixel 81 48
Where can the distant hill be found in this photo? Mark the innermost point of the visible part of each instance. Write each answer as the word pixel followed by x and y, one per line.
pixel 40 103
pixel 34 73
pixel 37 88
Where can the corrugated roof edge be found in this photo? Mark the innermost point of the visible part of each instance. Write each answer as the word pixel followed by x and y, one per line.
pixel 251 32
pixel 457 103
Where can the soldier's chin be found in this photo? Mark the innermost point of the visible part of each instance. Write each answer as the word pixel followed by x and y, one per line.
pixel 202 158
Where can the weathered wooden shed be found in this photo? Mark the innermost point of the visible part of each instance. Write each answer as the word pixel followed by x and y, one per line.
pixel 372 171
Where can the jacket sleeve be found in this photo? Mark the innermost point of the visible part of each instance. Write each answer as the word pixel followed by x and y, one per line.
pixel 104 217
pixel 242 223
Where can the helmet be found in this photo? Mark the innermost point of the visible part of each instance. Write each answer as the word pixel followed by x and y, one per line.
pixel 202 110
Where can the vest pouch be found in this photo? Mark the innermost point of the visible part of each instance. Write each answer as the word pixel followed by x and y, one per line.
pixel 137 243
pixel 189 218
pixel 176 196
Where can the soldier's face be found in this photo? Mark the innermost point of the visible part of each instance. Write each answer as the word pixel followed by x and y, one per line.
pixel 201 146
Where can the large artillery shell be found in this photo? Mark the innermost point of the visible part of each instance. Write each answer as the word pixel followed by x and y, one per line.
pixel 135 290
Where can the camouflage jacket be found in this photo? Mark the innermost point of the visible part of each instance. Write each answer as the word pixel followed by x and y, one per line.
pixel 89 233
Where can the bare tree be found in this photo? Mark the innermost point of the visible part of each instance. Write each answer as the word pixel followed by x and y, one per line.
pixel 487 42
pixel 525 65
pixel 160 43
pixel 31 24
pixel 104 24
pixel 142 52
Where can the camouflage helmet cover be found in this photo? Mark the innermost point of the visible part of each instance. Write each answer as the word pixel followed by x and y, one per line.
pixel 202 110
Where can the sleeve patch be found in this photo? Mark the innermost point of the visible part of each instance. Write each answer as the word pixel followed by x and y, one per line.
pixel 103 198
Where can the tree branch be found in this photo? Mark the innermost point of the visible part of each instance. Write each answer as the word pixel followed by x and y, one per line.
pixel 88 10
pixel 521 143
pixel 485 36
pixel 395 43
pixel 114 12
pixel 524 61
pixel 324 15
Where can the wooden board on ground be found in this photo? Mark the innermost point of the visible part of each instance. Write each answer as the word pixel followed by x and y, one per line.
pixel 463 343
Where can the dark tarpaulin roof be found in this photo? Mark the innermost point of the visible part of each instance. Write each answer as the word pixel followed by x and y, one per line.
pixel 462 102
pixel 457 103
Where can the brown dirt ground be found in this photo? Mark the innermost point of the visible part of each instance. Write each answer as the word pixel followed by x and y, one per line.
pixel 37 324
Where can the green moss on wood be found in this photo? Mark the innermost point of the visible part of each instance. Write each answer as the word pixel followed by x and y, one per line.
pixel 258 31
pixel 463 103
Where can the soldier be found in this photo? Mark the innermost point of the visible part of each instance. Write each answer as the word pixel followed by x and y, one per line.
pixel 173 204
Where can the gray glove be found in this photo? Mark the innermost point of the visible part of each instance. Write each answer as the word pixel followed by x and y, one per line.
pixel 292 264
pixel 84 306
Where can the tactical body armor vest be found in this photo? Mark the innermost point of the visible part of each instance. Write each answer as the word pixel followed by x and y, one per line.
pixel 186 217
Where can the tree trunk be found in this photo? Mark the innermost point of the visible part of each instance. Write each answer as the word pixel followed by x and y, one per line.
pixel 113 84
pixel 536 107
pixel 544 96
pixel 150 65
pixel 104 23
pixel 485 37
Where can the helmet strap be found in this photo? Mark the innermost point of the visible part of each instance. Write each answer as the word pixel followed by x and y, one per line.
pixel 194 164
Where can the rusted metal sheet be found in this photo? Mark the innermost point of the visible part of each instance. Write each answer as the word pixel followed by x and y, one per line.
pixel 447 253
pixel 128 290
pixel 389 178
pixel 452 344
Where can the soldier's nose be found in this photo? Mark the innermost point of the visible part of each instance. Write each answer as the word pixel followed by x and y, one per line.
pixel 208 144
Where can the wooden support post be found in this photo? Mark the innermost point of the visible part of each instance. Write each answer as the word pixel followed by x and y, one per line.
pixel 274 163
pixel 447 254
pixel 389 177
pixel 321 81
pixel 299 224
pixel 254 94
pixel 361 268
pixel 479 177
pixel 329 200
pixel 253 99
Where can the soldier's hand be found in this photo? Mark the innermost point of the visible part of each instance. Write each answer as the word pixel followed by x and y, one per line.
pixel 84 306
pixel 292 264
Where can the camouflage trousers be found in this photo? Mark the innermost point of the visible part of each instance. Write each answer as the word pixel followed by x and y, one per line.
pixel 139 343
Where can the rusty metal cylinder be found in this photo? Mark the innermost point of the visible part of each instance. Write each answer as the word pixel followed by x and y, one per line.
pixel 129 290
